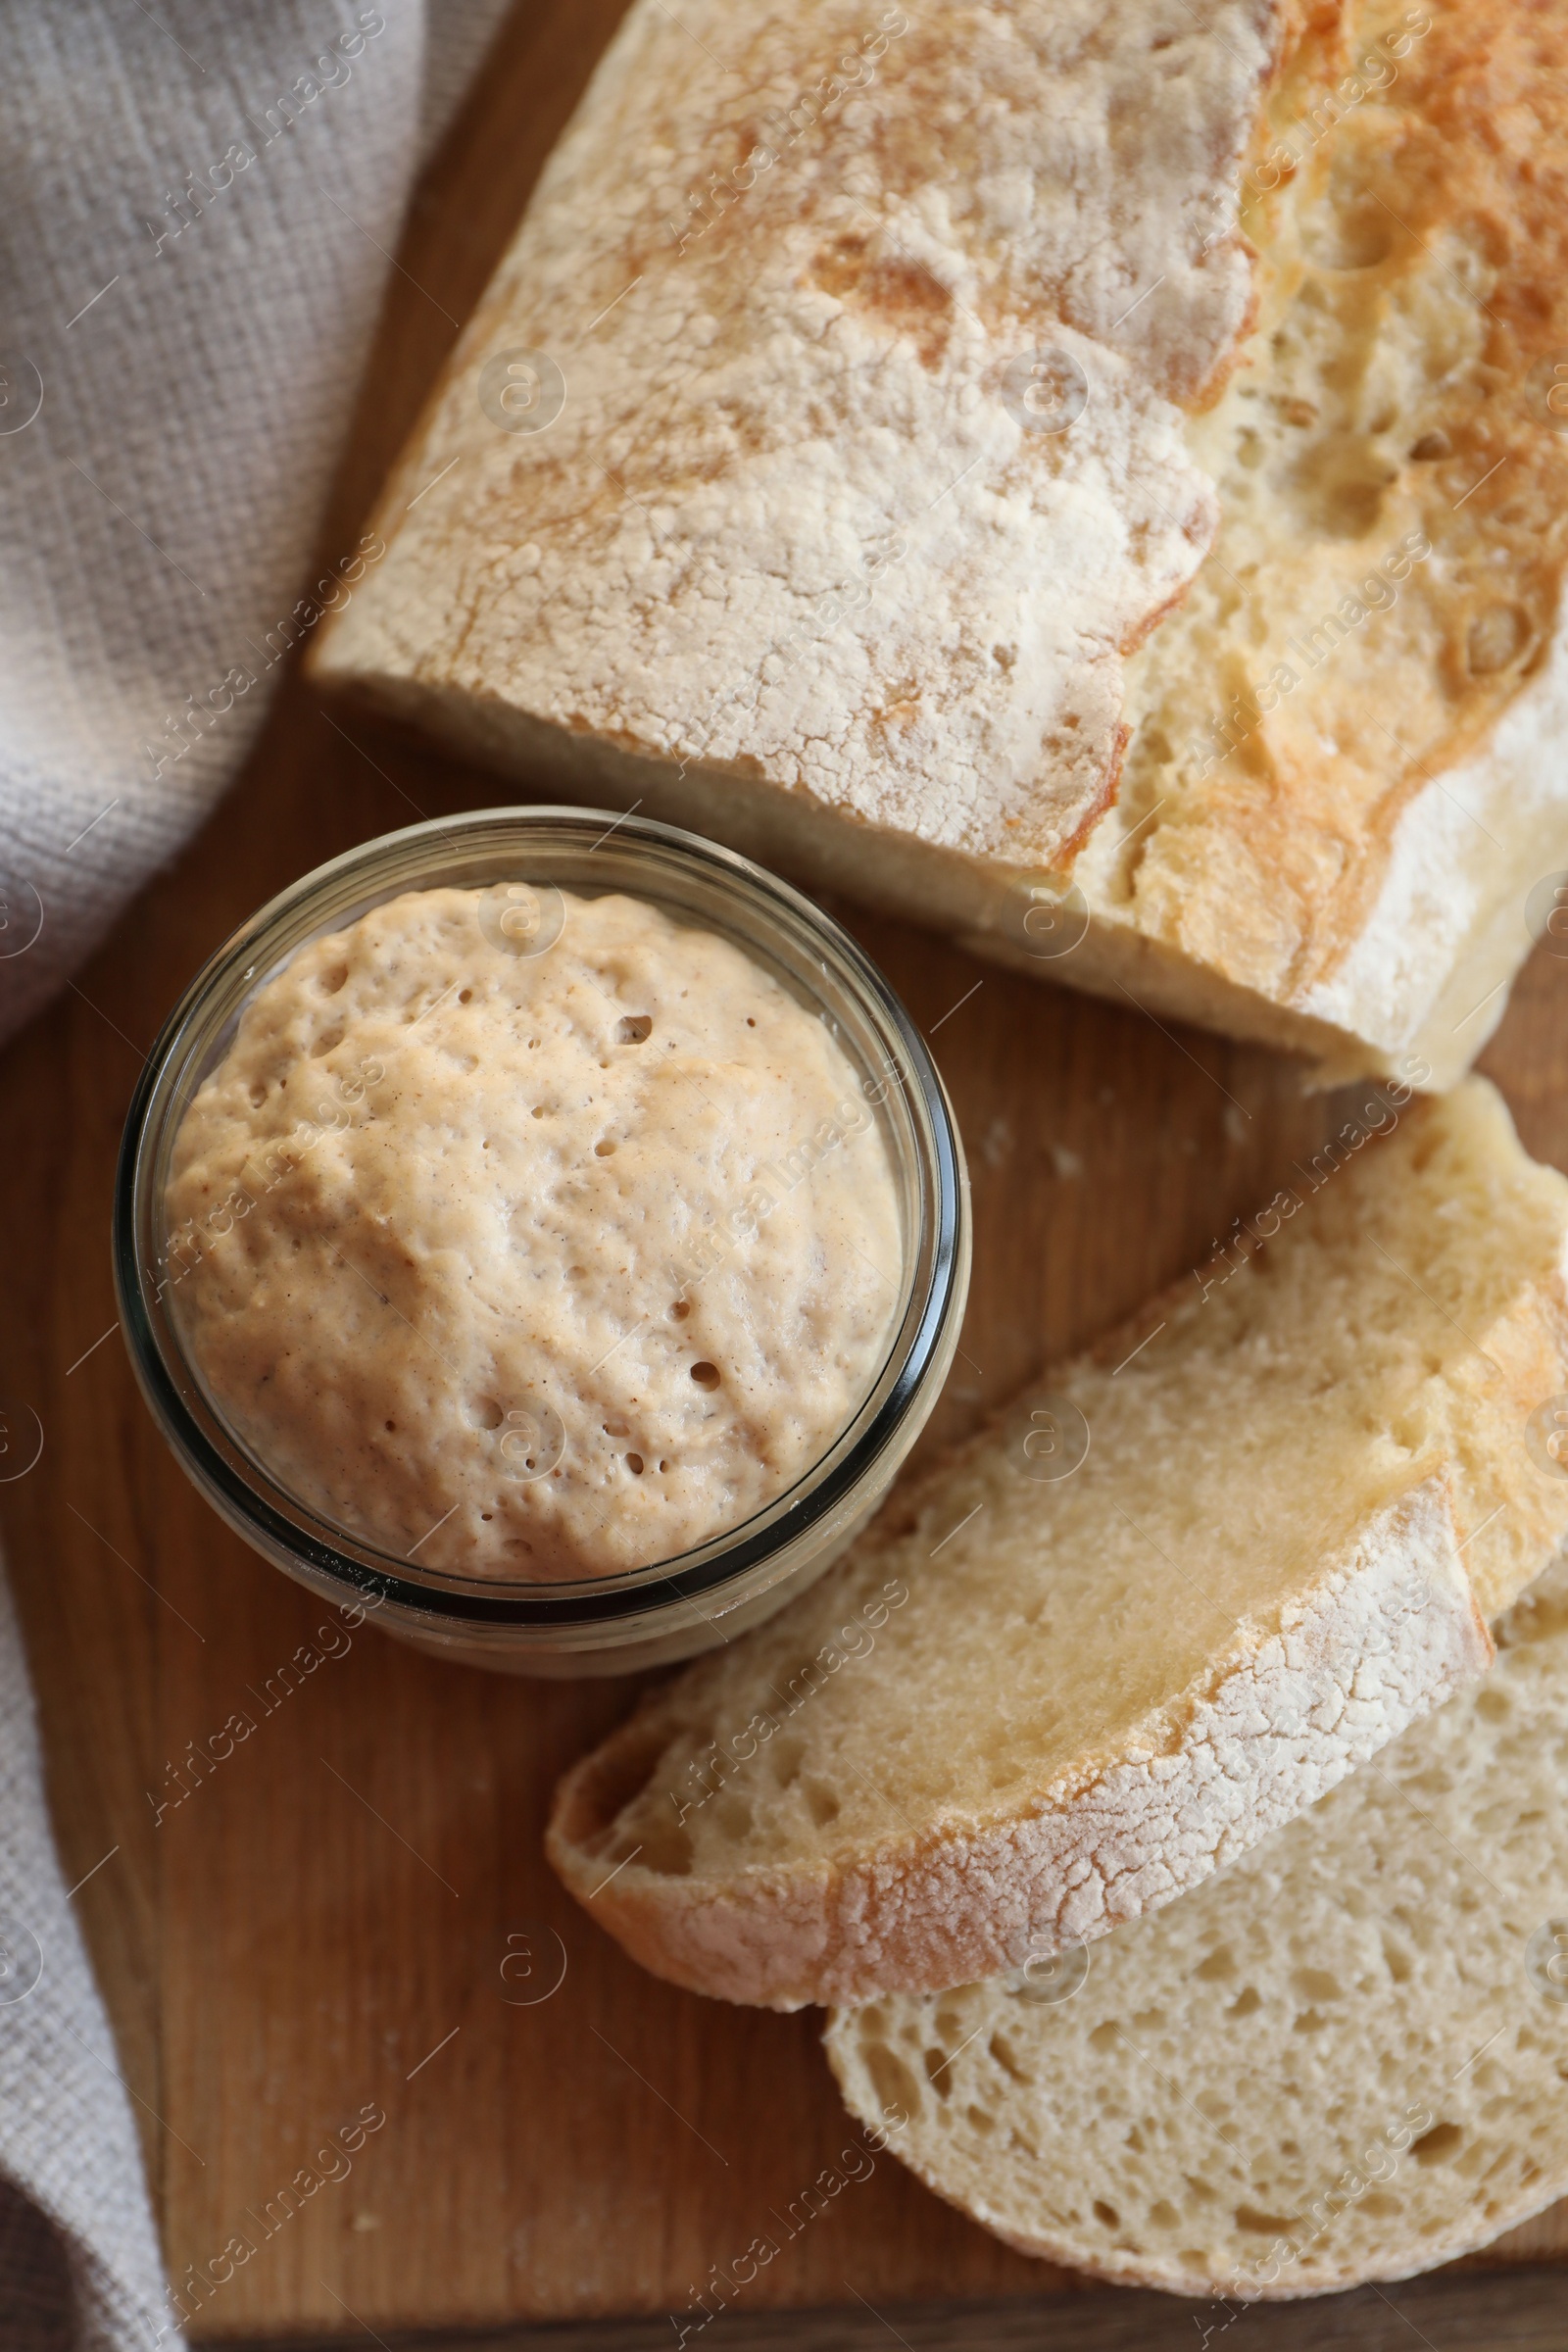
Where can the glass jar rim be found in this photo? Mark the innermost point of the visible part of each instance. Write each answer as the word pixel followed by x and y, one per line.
pixel 243 1489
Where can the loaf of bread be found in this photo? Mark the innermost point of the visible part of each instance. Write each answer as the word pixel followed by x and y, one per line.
pixel 1342 2060
pixel 1157 1609
pixel 1092 475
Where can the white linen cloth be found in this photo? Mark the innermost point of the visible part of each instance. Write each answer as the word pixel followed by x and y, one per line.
pixel 197 210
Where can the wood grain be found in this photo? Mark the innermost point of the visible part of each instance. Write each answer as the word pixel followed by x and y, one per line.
pixel 321 1926
pixel 1517 2312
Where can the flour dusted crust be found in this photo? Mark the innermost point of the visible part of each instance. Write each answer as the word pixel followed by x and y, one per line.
pixel 1022 1712
pixel 794 565
pixel 1336 2062
pixel 802 409
pixel 1388 1632
pixel 808 400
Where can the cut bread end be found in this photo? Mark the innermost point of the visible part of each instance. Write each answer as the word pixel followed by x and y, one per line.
pixel 1028 1707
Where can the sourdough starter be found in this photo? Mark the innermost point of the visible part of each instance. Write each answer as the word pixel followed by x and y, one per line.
pixel 535 1264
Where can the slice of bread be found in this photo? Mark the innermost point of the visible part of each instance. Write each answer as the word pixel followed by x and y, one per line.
pixel 1343 2060
pixel 1028 1707
pixel 1095 451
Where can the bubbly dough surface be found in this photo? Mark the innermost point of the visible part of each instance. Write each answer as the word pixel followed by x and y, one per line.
pixel 534 1266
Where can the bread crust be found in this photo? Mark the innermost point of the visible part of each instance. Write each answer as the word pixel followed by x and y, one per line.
pixel 623 600
pixel 1361 858
pixel 839 427
pixel 1384 1636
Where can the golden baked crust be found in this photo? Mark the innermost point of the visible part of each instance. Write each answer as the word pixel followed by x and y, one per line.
pixel 1415 268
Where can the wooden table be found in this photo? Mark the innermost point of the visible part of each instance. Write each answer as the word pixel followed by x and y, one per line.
pixel 322 1926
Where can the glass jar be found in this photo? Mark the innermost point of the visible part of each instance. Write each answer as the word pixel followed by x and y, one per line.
pixel 675 1607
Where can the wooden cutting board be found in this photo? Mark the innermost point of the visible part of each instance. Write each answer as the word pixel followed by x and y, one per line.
pixel 350 1918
